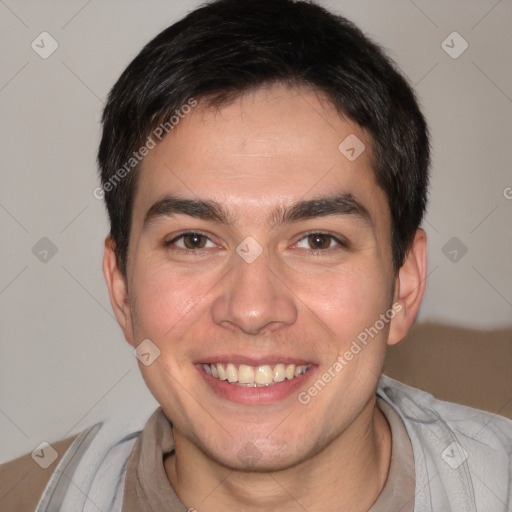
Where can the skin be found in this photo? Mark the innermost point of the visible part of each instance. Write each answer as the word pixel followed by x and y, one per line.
pixel 269 148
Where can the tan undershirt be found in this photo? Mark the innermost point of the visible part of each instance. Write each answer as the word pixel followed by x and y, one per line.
pixel 147 488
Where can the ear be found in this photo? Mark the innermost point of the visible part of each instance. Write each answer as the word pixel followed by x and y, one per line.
pixel 409 288
pixel 118 290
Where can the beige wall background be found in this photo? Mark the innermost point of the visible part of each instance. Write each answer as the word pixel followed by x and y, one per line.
pixel 64 364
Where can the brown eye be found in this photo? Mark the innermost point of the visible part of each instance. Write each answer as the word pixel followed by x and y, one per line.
pixel 319 241
pixel 322 242
pixel 194 241
pixel 189 241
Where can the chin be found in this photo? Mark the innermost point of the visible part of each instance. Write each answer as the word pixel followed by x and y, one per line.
pixel 252 457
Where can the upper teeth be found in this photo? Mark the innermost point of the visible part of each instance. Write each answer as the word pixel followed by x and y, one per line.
pixel 246 375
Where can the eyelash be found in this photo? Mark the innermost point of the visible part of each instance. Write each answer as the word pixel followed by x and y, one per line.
pixel 344 244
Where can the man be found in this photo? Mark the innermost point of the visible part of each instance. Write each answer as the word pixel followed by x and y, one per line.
pixel 265 170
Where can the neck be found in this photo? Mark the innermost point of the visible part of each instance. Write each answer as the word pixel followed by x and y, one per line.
pixel 347 475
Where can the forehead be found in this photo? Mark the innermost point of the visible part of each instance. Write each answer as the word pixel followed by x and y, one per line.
pixel 270 147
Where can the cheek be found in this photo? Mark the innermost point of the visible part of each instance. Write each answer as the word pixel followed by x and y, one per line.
pixel 347 300
pixel 166 301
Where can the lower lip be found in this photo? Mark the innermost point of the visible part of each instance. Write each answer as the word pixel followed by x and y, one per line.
pixel 255 395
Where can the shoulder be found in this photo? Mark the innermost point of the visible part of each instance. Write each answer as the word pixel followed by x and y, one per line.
pixel 469 450
pixel 96 457
pixel 22 480
pixel 417 406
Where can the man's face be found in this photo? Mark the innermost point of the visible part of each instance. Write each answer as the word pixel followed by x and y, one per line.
pixel 213 298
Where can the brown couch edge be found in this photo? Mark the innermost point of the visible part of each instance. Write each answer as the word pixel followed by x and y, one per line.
pixel 466 366
pixel 22 480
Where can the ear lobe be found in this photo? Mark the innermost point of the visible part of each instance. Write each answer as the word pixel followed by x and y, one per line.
pixel 409 288
pixel 117 289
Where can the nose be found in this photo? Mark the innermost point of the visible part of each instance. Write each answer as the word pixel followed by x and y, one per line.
pixel 254 298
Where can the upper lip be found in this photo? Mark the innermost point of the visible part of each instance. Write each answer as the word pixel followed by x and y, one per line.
pixel 270 360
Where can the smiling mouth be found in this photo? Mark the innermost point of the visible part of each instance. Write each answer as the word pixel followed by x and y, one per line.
pixel 254 376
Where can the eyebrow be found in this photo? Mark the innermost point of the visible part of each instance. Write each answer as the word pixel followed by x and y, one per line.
pixel 334 205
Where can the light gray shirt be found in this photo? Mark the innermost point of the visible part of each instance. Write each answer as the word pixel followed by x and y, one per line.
pixel 462 458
